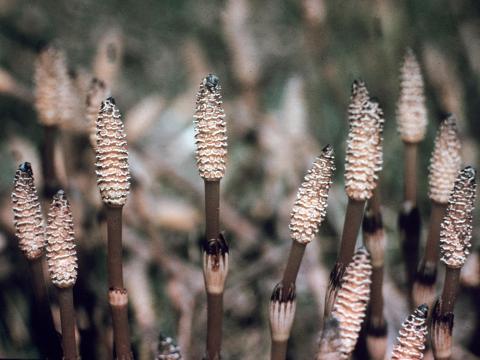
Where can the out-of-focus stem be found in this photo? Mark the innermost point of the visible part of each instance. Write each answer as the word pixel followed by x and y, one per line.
pixel 410 164
pixel 432 247
pixel 51 182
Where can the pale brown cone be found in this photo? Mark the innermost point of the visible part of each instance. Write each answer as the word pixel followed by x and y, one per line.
pixel 412 336
pixel 445 161
pixel 310 207
pixel 210 130
pixel 363 158
pixel 411 109
pixel 352 300
pixel 330 342
pixel 97 92
pixel 61 253
pixel 456 227
pixel 282 312
pixel 113 174
pixel 55 99
pixel 27 214
pixel 167 349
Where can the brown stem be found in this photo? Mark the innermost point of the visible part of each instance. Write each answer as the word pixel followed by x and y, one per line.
pixel 48 338
pixel 214 325
pixel 450 289
pixel 115 281
pixel 432 246
pixel 351 227
pixel 67 317
pixel 293 264
pixel 376 296
pixel 410 168
pixel 51 182
pixel 279 350
pixel 212 209
pixel 409 224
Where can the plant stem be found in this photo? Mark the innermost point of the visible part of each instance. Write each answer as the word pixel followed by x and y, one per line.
pixel 115 281
pixel 212 209
pixel 410 168
pixel 432 246
pixel 376 296
pixel 214 301
pixel 51 182
pixel 48 338
pixel 351 227
pixel 279 350
pixel 450 289
pixel 214 325
pixel 409 224
pixel 67 317
pixel 293 264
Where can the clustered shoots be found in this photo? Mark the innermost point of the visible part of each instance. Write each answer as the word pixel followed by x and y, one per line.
pixel 210 130
pixel 456 228
pixel 310 206
pixel 411 109
pixel 364 144
pixel 445 161
pixel 282 312
pixel 412 336
pixel 352 300
pixel 113 174
pixel 27 213
pixel 61 252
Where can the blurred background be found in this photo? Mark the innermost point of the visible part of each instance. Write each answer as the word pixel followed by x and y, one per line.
pixel 286 68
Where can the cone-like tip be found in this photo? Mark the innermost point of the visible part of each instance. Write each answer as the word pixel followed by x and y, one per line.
pixel 412 336
pixel 352 299
pixel 445 161
pixel 456 227
pixel 411 109
pixel 167 349
pixel 215 264
pixel 61 253
pixel 310 207
pixel 364 144
pixel 210 130
pixel 27 214
pixel 282 312
pixel 330 341
pixel 113 174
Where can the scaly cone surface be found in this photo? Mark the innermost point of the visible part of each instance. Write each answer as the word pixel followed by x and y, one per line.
pixel 412 336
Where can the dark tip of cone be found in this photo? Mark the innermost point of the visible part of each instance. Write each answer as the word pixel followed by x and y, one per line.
pixel 211 82
pixel 470 172
pixel 423 309
pixel 110 99
pixel 26 167
pixel 327 150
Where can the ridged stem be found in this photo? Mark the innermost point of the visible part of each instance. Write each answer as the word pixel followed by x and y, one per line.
pixel 450 290
pixel 67 318
pixel 48 339
pixel 351 227
pixel 279 350
pixel 51 182
pixel 293 264
pixel 214 301
pixel 115 281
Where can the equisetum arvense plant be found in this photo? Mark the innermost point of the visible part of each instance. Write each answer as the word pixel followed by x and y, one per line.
pixel 455 242
pixel 363 162
pixel 307 215
pixel 411 117
pixel 445 163
pixel 113 179
pixel 211 153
